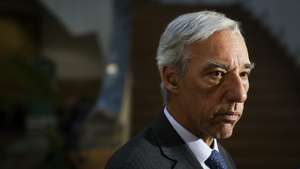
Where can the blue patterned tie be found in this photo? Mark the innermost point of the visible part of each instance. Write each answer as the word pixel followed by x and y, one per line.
pixel 216 161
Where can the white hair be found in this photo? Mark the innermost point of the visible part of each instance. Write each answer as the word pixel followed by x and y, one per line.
pixel 185 30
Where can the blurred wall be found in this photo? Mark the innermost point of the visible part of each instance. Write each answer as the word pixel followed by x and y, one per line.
pixel 281 17
pixel 94 17
pixel 76 57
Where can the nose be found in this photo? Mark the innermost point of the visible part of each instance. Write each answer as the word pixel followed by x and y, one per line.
pixel 237 89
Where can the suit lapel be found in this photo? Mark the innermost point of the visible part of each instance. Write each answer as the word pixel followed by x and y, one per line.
pixel 172 146
pixel 227 157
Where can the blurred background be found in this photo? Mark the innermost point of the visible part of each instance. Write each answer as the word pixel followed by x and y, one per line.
pixel 52 67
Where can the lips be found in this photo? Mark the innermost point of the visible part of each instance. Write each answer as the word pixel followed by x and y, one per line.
pixel 228 117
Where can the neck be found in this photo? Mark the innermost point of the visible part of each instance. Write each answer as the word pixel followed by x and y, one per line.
pixel 209 142
pixel 180 117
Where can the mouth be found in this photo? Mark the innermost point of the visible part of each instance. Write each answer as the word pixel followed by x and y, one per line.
pixel 228 117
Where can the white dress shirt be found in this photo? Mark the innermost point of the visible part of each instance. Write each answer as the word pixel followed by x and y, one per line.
pixel 199 148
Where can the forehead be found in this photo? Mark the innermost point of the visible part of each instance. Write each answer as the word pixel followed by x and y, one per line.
pixel 226 47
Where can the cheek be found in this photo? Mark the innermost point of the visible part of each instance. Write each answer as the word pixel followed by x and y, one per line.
pixel 208 100
pixel 201 99
pixel 204 109
pixel 246 85
pixel 241 108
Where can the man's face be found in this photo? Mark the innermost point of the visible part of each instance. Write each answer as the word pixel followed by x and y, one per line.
pixel 212 92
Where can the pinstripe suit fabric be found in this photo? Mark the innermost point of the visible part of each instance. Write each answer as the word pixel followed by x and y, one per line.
pixel 158 147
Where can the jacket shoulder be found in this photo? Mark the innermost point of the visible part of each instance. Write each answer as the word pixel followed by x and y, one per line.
pixel 141 152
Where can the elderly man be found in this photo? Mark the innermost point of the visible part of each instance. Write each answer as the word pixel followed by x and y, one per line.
pixel 204 67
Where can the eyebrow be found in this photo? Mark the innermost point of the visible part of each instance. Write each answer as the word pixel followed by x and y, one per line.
pixel 250 66
pixel 212 64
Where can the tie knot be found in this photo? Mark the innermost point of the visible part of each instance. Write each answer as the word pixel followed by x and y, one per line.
pixel 216 161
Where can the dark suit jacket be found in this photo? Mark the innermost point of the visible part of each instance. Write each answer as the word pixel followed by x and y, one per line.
pixel 158 147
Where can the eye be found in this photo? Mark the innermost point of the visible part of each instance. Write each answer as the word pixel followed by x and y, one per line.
pixel 217 75
pixel 245 74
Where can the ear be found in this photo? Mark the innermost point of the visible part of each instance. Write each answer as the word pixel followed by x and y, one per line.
pixel 170 79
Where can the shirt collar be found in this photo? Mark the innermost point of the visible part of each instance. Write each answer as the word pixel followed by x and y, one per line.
pixel 199 148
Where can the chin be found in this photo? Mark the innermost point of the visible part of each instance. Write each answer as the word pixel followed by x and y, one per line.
pixel 225 131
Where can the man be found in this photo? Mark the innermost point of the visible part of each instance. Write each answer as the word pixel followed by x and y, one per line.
pixel 204 68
